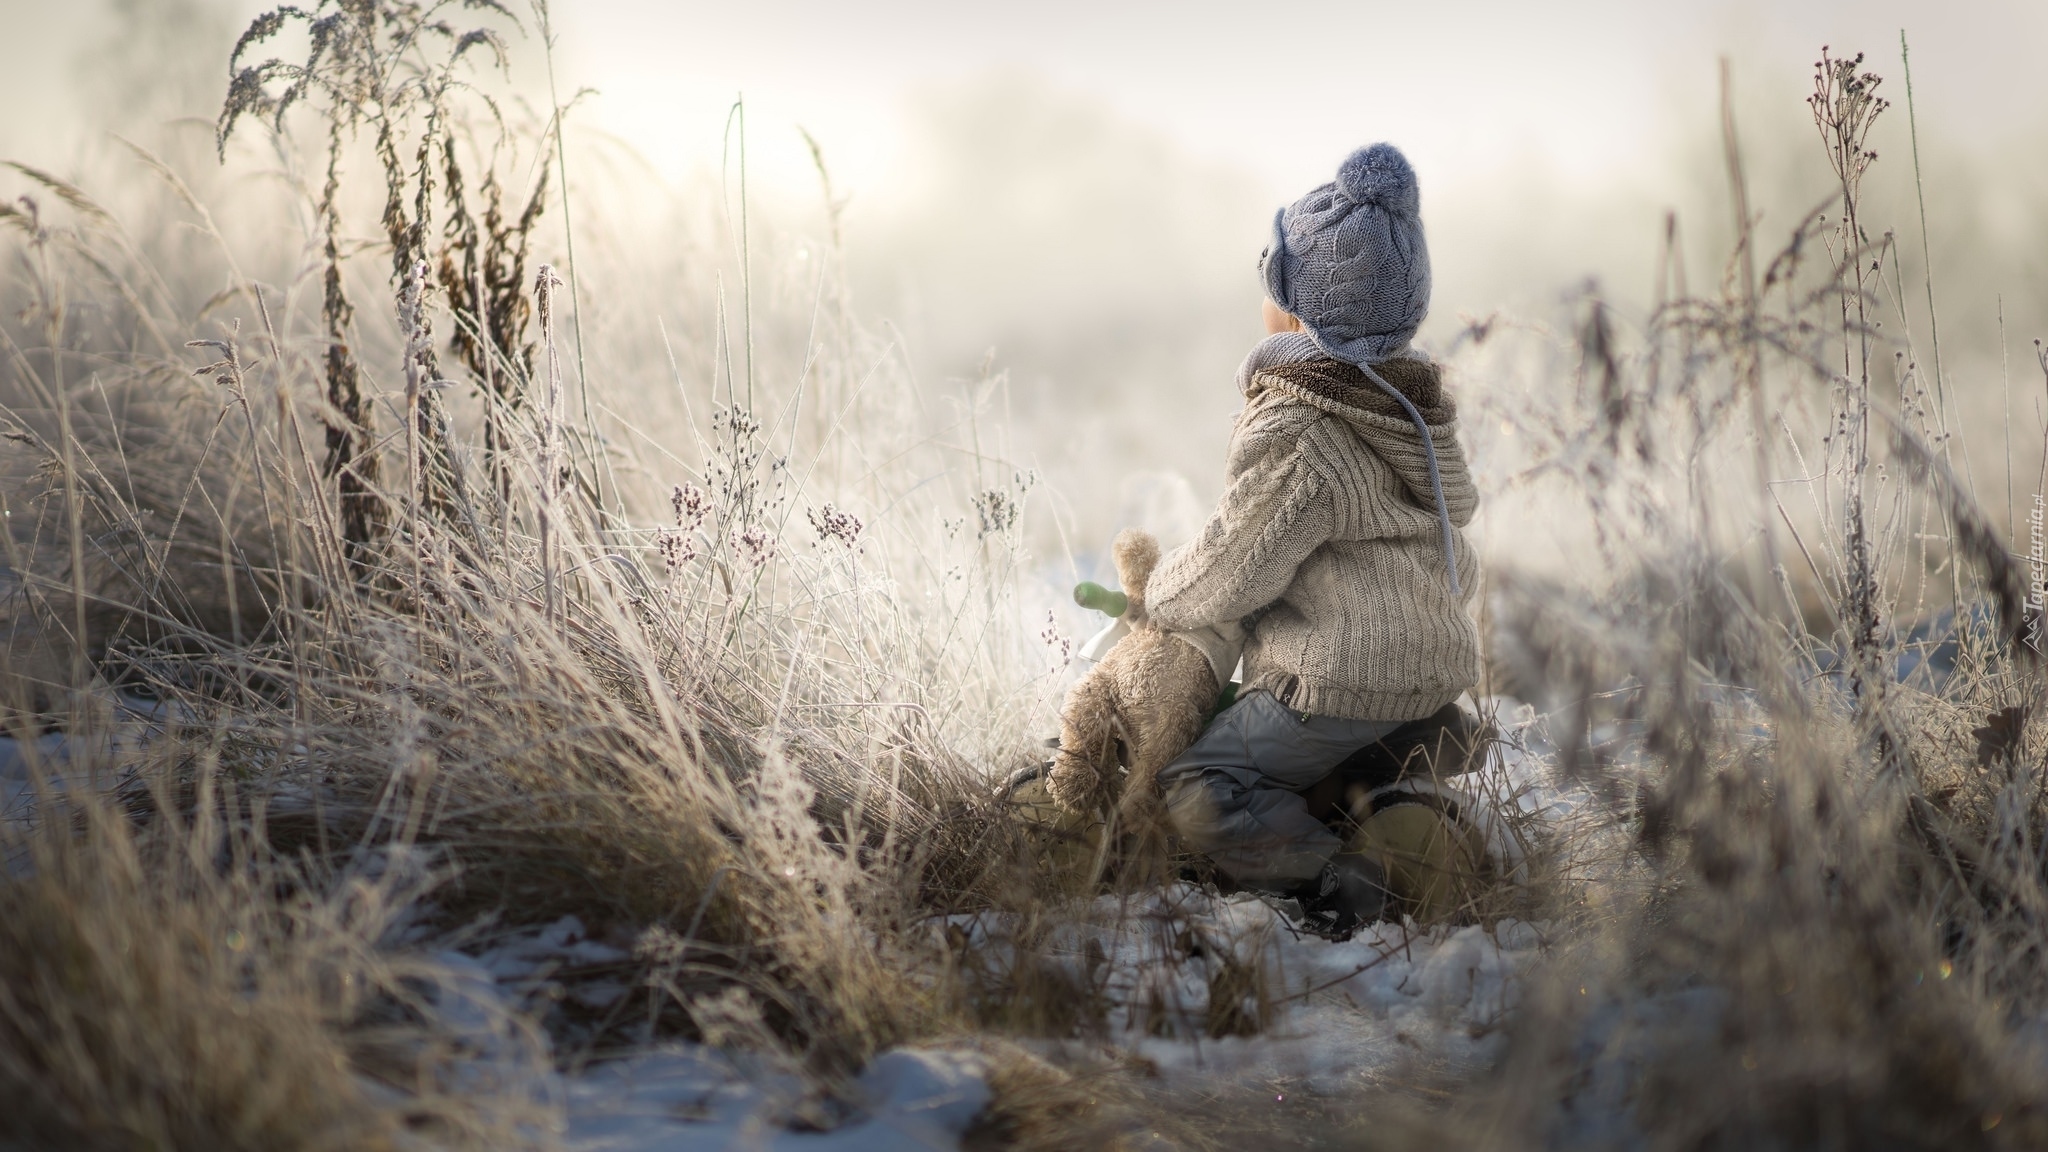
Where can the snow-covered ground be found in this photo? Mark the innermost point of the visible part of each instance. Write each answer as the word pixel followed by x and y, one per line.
pixel 686 1097
pixel 679 1096
pixel 1329 1017
pixel 131 722
pixel 1327 1014
pixel 1335 1016
pixel 1322 1017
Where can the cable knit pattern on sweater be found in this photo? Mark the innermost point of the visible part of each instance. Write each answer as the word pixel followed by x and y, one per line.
pixel 1327 538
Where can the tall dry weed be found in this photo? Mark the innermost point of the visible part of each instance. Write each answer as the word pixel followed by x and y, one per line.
pixel 739 704
pixel 1811 926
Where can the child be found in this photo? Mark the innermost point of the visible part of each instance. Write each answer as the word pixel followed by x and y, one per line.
pixel 1336 544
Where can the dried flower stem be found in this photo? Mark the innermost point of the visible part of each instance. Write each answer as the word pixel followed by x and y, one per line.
pixel 544 285
pixel 413 324
pixel 1845 105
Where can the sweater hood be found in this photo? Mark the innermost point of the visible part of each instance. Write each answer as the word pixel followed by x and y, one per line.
pixel 1376 418
pixel 1296 349
pixel 1343 390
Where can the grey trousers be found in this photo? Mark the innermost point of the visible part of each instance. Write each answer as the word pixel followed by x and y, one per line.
pixel 1234 795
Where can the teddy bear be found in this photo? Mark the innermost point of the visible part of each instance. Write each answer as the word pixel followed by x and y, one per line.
pixel 1149 698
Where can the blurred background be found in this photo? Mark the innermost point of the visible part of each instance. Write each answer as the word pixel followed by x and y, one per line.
pixel 1051 212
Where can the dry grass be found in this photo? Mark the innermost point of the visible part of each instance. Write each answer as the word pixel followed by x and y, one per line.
pixel 738 734
pixel 175 985
pixel 430 655
pixel 1809 921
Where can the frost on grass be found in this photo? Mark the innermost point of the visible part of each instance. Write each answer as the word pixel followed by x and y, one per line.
pixel 532 775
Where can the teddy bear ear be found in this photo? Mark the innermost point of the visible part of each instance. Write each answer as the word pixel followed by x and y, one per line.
pixel 1137 553
pixel 1380 176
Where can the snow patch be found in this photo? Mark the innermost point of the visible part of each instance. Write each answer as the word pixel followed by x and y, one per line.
pixel 681 1097
pixel 685 1097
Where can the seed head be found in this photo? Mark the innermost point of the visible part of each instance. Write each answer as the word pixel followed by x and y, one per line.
pixel 835 524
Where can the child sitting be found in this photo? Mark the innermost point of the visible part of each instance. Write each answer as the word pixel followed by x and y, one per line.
pixel 1336 544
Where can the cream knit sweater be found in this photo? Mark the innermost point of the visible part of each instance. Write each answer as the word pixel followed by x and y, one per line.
pixel 1327 540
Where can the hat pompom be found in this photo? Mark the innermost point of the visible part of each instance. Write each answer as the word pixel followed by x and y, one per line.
pixel 1381 176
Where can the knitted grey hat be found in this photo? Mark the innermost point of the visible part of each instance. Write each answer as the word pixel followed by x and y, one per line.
pixel 1349 260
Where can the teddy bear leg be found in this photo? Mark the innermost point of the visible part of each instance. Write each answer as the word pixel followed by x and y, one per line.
pixel 1141 813
pixel 1087 745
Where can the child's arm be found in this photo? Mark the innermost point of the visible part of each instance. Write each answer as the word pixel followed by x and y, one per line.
pixel 1276 511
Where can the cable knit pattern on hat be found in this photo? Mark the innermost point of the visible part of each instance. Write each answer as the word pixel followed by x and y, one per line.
pixel 1327 535
pixel 1349 258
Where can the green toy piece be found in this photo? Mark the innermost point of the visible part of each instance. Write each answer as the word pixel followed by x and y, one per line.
pixel 1089 594
pixel 1224 699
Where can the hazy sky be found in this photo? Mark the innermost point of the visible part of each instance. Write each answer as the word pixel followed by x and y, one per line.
pixel 1471 90
pixel 1549 137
